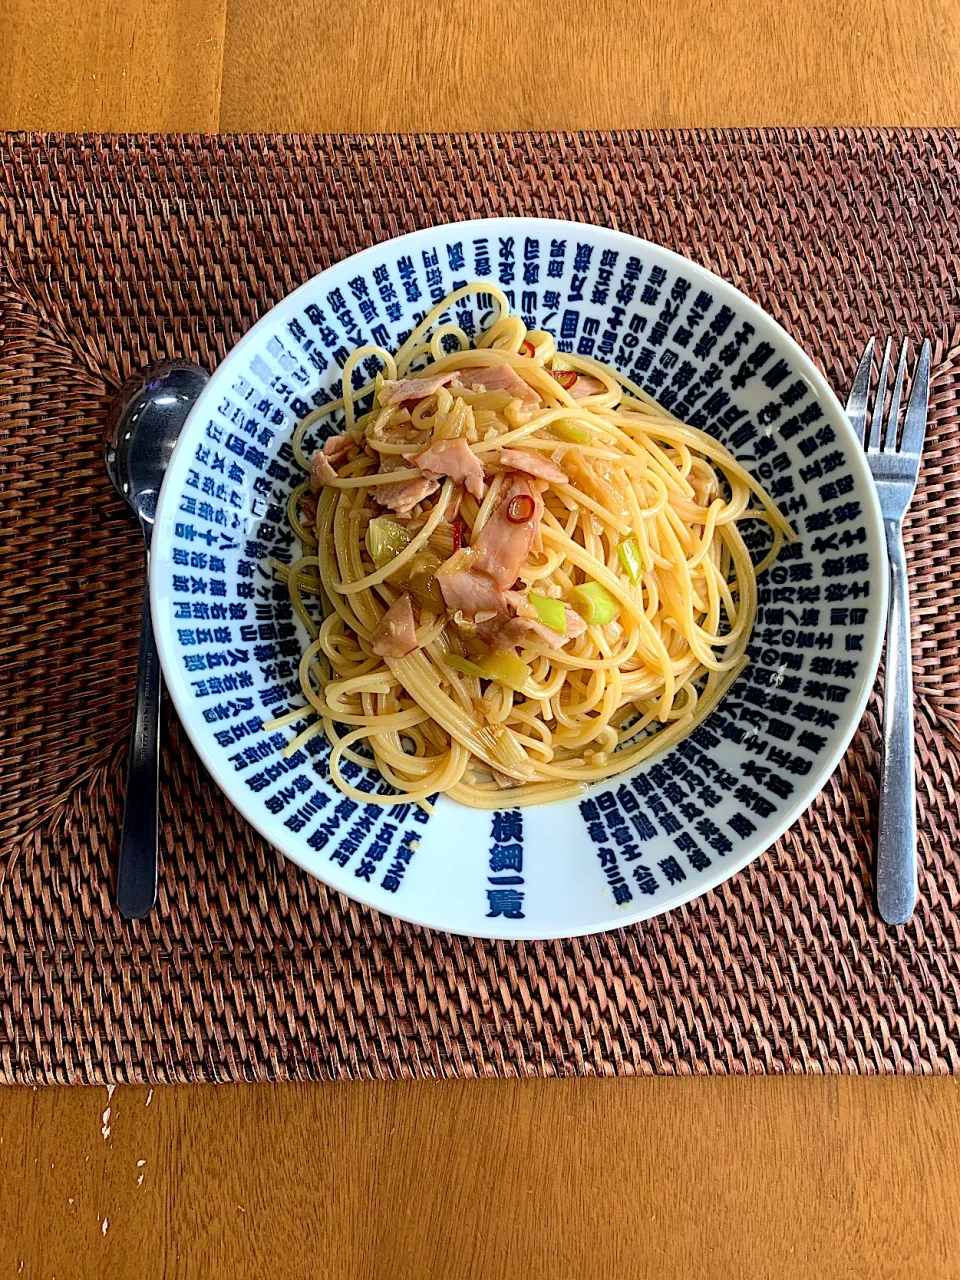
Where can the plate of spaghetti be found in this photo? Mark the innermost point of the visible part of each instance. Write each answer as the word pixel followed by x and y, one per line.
pixel 519 578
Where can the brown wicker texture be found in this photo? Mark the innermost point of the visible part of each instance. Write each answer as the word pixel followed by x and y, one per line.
pixel 115 251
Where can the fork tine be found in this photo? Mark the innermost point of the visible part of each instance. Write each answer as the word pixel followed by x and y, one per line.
pixel 915 423
pixel 877 424
pixel 894 416
pixel 857 400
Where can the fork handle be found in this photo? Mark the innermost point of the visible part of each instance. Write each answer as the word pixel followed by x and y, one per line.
pixel 897 841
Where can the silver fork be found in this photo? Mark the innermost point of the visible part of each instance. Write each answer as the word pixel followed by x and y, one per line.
pixel 894 466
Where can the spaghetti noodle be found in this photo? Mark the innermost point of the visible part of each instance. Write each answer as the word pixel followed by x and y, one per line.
pixel 526 576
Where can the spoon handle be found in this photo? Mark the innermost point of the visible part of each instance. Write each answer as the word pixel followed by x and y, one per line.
pixel 137 874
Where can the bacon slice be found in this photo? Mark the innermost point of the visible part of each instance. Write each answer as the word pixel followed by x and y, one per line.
pixel 403 496
pixel 396 633
pixel 519 631
pixel 396 391
pixel 499 377
pixel 464 587
pixel 503 546
pixel 321 472
pixel 506 633
pixel 452 513
pixel 533 464
pixel 453 458
pixel 336 448
pixel 586 386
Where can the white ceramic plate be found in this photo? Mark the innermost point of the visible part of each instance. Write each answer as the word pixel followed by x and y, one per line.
pixel 638 844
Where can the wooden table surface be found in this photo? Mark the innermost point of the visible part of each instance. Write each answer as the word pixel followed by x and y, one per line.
pixel 804 1177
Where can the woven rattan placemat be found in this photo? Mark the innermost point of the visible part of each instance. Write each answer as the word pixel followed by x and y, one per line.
pixel 116 251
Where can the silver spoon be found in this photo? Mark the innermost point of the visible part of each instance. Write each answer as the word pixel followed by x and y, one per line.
pixel 142 428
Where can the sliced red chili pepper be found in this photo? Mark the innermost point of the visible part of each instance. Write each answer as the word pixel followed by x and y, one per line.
pixel 566 377
pixel 520 508
pixel 527 348
pixel 457 534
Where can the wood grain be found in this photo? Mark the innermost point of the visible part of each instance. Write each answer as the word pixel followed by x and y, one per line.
pixel 605 64
pixel 655 1178
pixel 111 64
pixel 659 1178
pixel 325 65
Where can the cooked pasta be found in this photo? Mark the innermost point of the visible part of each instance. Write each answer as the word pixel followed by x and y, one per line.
pixel 519 575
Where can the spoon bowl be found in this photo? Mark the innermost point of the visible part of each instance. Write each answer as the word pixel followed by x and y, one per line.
pixel 142 429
